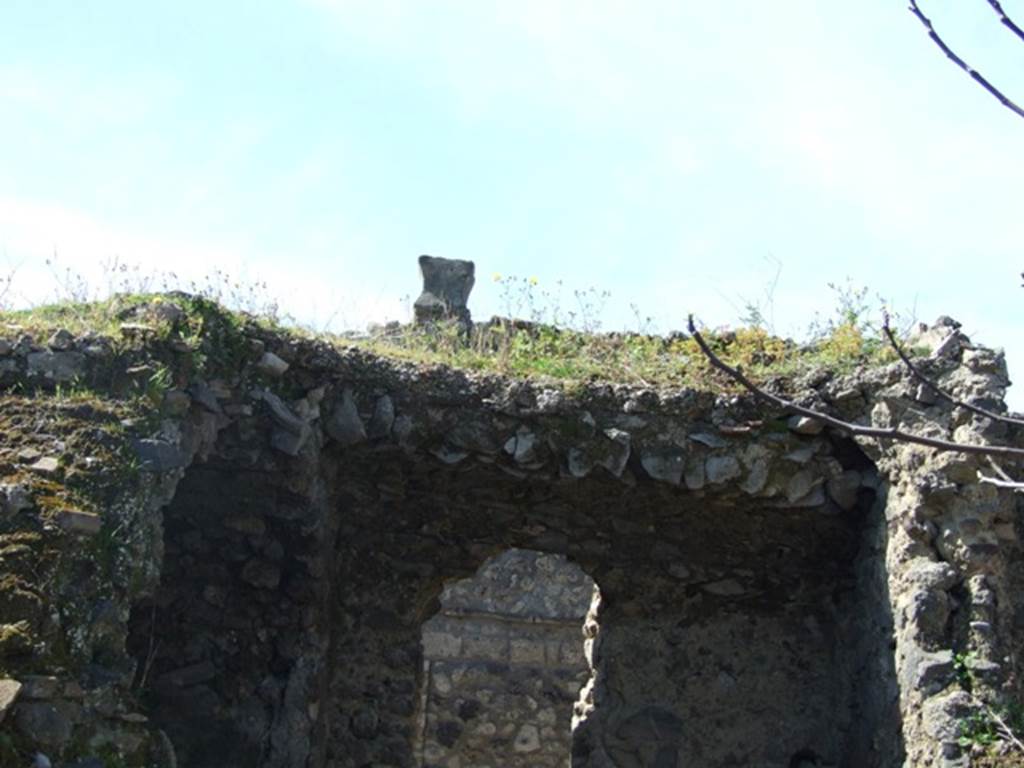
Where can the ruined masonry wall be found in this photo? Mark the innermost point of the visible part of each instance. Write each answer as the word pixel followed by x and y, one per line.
pixel 503 663
pixel 772 594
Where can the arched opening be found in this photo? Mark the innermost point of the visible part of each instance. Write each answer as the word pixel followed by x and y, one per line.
pixel 229 647
pixel 503 664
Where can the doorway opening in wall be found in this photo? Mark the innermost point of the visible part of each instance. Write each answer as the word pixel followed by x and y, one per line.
pixel 503 664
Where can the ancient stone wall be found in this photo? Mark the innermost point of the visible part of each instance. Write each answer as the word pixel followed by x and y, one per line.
pixel 250 586
pixel 503 665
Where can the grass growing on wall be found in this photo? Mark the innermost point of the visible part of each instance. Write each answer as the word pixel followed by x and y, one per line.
pixel 542 335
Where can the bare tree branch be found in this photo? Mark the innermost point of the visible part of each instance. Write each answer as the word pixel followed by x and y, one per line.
pixel 1008 484
pixel 977 76
pixel 1006 20
pixel 999 470
pixel 885 433
pixel 935 387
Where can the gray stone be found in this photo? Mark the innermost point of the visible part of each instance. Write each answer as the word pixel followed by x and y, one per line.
pixel 164 311
pixel 449 455
pixel 47 465
pixel 522 446
pixel 9 690
pixel 203 394
pixel 282 414
pixel 60 367
pixel 948 347
pixel 28 455
pixel 383 419
pixel 803 454
pixel 344 425
pixel 985 671
pixel 5 347
pixel 805 425
pixel 928 672
pixel 578 462
pixel 757 477
pixel 45 723
pixel 40 687
pixel 617 451
pixel 928 611
pixel 440 645
pixel 943 329
pixel 527 739
pixel 708 439
pixel 842 489
pixel 272 365
pixel 925 395
pixel 403 429
pixel 474 436
pixel 446 287
pixel 721 469
pixel 815 498
pixel 289 442
pixel 931 574
pixel 100 348
pixel 550 401
pixel 14 497
pixel 61 341
pixel 801 484
pixel 74 521
pixel 664 464
pixel 942 715
pixel 159 455
pixel 176 402
pixel 24 345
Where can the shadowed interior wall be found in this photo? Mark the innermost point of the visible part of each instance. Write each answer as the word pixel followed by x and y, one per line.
pixel 288 627
pixel 722 620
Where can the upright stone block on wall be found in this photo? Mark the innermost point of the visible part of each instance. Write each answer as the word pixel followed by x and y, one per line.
pixel 446 287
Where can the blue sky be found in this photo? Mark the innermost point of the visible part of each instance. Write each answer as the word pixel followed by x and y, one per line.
pixel 664 151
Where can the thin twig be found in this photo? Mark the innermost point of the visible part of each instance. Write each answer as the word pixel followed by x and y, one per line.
pixel 977 76
pixel 1006 20
pixel 1007 484
pixel 1003 725
pixel 999 470
pixel 885 433
pixel 1007 730
pixel 935 387
pixel 154 646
